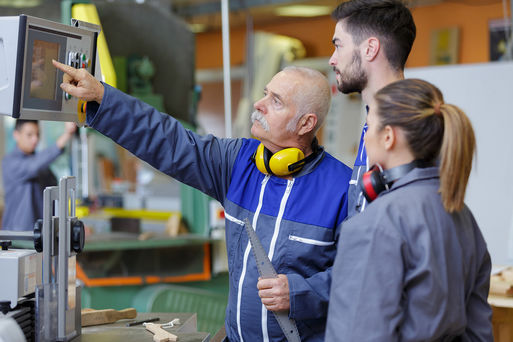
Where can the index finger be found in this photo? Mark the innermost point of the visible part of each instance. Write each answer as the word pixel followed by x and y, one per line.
pixel 65 68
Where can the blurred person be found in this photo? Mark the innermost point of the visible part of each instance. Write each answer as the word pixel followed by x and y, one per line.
pixel 26 173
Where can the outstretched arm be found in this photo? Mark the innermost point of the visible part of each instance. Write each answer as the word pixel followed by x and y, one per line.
pixel 203 162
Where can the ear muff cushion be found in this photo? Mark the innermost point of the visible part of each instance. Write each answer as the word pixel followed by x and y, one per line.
pixel 367 187
pixel 280 161
pixel 259 157
pixel 372 184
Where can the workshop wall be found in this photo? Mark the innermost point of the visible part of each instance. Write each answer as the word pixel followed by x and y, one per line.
pixel 471 17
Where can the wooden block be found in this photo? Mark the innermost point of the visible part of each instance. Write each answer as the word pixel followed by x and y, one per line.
pixel 159 334
pixel 96 317
pixel 507 275
pixel 501 287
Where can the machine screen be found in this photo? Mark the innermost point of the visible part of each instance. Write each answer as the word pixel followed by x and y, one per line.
pixel 44 74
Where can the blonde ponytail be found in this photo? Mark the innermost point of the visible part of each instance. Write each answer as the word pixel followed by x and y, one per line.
pixel 434 131
pixel 456 154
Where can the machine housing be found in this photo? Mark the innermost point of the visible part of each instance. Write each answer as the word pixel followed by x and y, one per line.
pixel 29 83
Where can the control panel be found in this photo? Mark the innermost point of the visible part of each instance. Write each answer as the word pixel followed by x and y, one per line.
pixel 29 83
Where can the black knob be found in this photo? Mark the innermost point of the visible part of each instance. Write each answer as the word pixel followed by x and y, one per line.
pixel 5 244
pixel 38 236
pixel 5 307
pixel 77 235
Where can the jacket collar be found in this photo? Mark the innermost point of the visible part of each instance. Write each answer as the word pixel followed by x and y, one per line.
pixel 415 175
pixel 309 167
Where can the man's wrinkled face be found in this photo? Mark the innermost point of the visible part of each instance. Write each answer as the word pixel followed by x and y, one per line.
pixel 347 62
pixel 27 137
pixel 275 110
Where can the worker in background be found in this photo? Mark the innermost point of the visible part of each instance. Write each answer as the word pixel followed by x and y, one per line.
pixel 372 41
pixel 296 210
pixel 26 173
pixel 414 265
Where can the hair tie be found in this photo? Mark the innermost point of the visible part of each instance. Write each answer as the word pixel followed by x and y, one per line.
pixel 437 108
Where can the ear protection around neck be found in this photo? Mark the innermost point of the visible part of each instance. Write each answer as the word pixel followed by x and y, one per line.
pixel 377 180
pixel 284 162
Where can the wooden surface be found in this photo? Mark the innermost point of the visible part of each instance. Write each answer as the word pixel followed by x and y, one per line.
pixel 159 333
pixel 119 332
pixel 97 317
pixel 502 318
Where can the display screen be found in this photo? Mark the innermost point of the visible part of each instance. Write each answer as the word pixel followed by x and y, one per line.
pixel 44 74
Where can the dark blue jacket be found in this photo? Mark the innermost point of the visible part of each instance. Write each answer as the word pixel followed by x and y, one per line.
pixel 296 220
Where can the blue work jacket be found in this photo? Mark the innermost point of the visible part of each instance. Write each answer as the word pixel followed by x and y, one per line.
pixel 296 220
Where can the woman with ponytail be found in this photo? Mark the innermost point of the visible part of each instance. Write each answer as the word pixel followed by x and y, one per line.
pixel 414 265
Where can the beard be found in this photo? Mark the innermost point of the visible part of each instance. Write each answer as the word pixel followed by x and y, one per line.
pixel 258 116
pixel 354 78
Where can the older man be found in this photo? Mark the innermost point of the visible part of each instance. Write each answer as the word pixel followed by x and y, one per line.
pixel 295 206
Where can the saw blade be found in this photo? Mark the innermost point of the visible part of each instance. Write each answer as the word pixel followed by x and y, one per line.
pixel 266 270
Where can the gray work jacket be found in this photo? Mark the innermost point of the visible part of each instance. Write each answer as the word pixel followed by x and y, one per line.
pixel 25 176
pixel 406 270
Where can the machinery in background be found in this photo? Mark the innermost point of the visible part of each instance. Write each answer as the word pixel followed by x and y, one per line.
pixel 29 83
pixel 41 293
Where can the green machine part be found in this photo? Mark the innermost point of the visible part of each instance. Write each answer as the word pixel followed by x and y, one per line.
pixel 207 299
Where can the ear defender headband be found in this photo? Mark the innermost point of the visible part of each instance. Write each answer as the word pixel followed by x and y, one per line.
pixel 284 162
pixel 377 180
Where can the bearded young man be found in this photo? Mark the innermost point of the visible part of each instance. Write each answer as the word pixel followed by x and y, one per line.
pixel 372 41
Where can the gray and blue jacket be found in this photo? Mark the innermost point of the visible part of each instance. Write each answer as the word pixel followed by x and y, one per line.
pixel 25 177
pixel 296 220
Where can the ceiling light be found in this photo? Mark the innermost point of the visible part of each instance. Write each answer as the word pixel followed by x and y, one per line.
pixel 303 11
pixel 198 28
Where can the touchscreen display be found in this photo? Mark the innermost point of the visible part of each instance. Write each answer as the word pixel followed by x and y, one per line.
pixel 44 74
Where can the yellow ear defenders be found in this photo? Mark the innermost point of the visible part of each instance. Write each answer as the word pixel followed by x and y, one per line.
pixel 284 162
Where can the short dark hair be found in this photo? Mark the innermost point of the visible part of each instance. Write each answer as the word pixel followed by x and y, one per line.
pixel 21 122
pixel 390 20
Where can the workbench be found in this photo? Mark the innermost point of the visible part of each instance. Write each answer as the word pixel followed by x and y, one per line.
pixel 502 318
pixel 119 332
pixel 120 259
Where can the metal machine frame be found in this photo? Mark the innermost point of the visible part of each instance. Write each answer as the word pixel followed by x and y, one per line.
pixel 60 238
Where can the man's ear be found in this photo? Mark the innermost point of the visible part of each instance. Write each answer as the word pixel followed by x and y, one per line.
pixel 389 137
pixel 371 48
pixel 16 135
pixel 307 123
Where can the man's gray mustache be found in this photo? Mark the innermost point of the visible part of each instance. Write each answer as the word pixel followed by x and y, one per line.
pixel 258 116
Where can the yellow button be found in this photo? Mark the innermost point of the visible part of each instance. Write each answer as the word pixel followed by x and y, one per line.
pixel 81 110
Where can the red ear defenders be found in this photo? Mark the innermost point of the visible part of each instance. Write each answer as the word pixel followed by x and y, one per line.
pixel 284 162
pixel 377 180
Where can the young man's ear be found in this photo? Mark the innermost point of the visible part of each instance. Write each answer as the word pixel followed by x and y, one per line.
pixel 307 123
pixel 16 135
pixel 371 49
